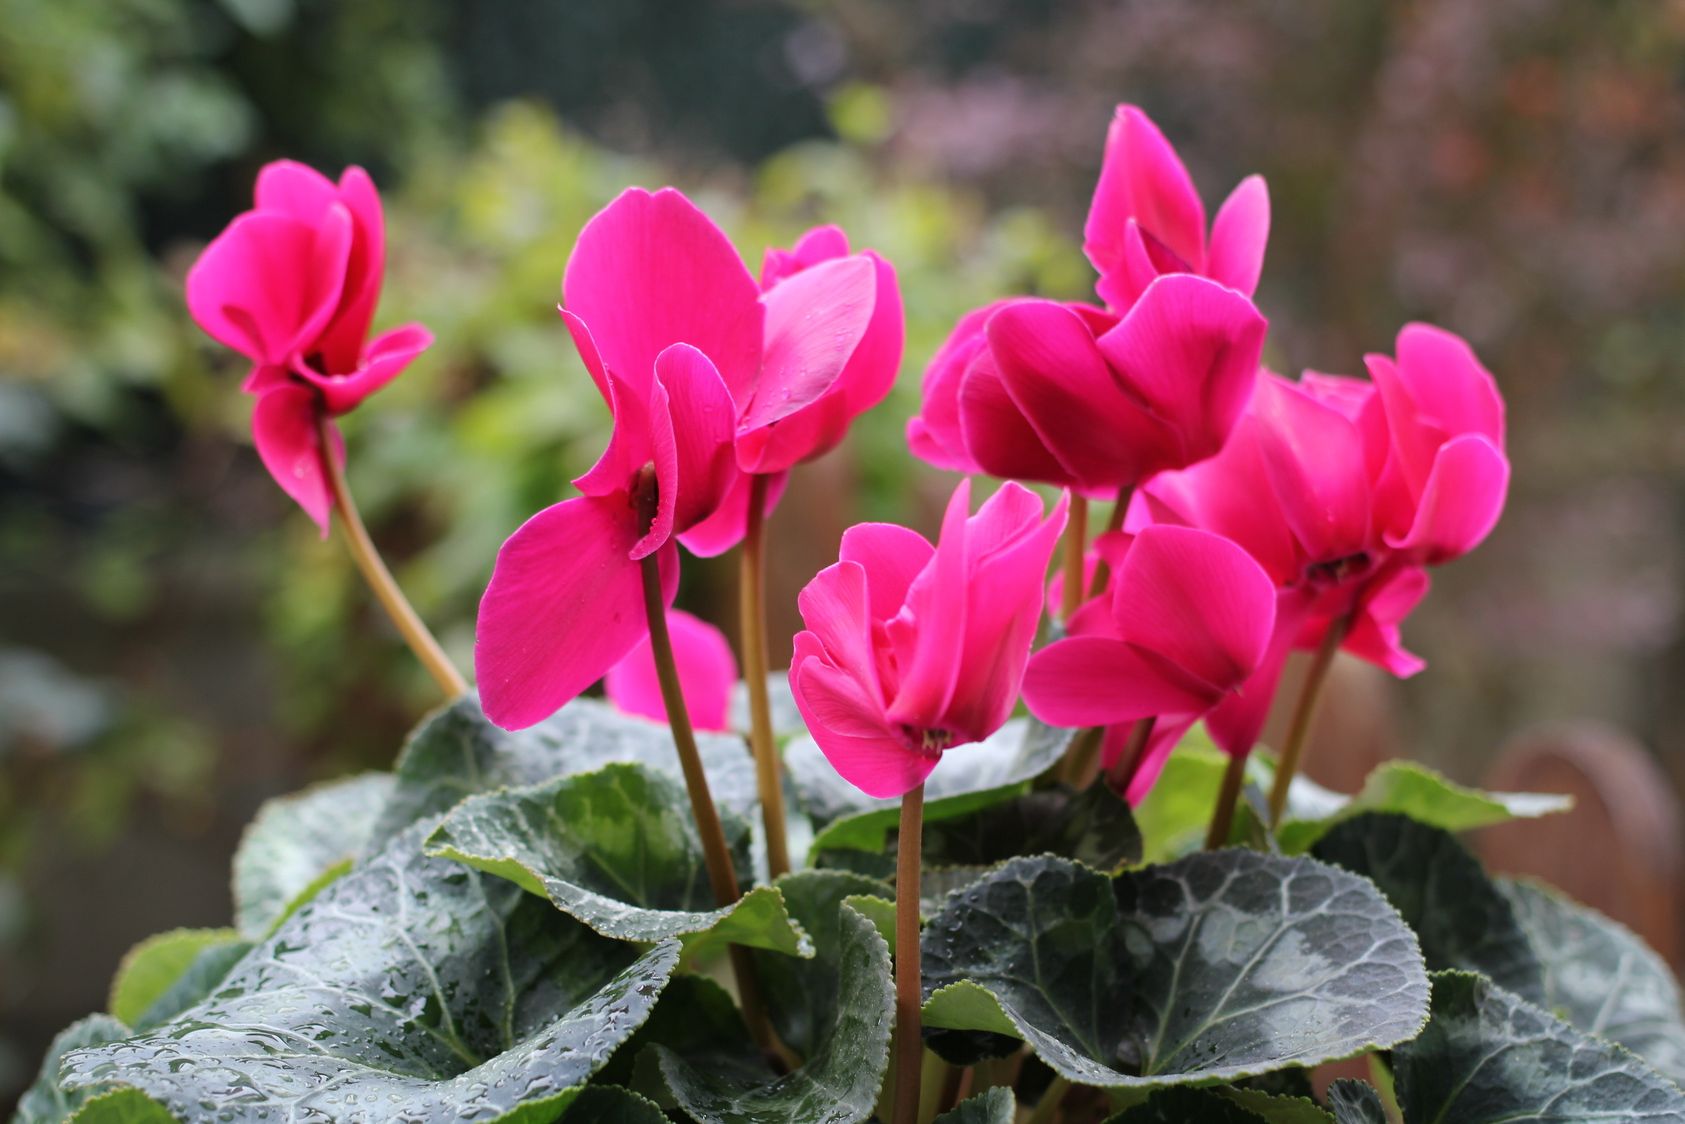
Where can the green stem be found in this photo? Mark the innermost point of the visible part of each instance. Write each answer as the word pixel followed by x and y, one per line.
pixel 1134 753
pixel 1222 814
pixel 379 578
pixel 909 1039
pixel 1114 522
pixel 1076 545
pixel 768 776
pixel 1304 711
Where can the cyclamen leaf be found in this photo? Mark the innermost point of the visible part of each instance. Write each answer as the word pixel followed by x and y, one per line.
pixel 208 967
pixel 295 840
pixel 1411 789
pixel 412 984
pixel 1488 1055
pixel 1356 1102
pixel 617 849
pixel 839 1082
pixel 149 969
pixel 967 778
pixel 49 1102
pixel 123 1106
pixel 1461 917
pixel 1093 827
pixel 997 1106
pixel 606 1104
pixel 1185 1106
pixel 1602 977
pixel 1220 965
pixel 457 753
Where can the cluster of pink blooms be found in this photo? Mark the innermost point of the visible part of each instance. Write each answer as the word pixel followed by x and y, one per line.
pixel 1263 514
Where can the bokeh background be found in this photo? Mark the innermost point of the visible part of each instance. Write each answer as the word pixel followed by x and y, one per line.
pixel 176 644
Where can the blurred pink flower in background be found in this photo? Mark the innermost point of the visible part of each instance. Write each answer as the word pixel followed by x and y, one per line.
pixel 911 650
pixel 707 674
pixel 292 285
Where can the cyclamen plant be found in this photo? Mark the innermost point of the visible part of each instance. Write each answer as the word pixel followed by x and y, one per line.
pixel 534 915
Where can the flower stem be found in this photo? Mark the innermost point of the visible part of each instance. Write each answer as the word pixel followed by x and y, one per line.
pixel 1304 711
pixel 379 578
pixel 1222 813
pixel 722 877
pixel 1114 522
pixel 1076 545
pixel 752 595
pixel 909 1040
pixel 1123 772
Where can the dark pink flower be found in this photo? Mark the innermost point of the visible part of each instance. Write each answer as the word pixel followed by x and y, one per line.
pixel 911 649
pixel 707 674
pixel 292 285
pixel 565 602
pixel 1186 622
pixel 1147 219
pixel 1070 395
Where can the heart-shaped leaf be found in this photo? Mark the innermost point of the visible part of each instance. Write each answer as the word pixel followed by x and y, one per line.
pixel 967 778
pixel 607 1104
pixel 836 1010
pixel 49 1102
pixel 1461 917
pixel 1601 977
pixel 296 840
pixel 996 1106
pixel 165 974
pixel 413 984
pixel 457 753
pixel 1487 1056
pixel 1093 827
pixel 618 849
pixel 1356 1102
pixel 1217 966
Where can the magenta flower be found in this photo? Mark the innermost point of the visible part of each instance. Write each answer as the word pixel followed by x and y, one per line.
pixel 911 649
pixel 292 285
pixel 1187 620
pixel 707 674
pixel 1147 219
pixel 1070 395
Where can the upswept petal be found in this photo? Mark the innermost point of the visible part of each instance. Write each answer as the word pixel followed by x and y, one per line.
pixel 996 435
pixel 1451 389
pixel 1239 235
pixel 1460 503
pixel 1198 600
pixel 707 674
pixel 892 556
pixel 836 608
pixel 1316 464
pixel 1190 349
pixel 564 604
pixel 342 340
pixel 285 432
pixel 587 348
pixel 936 435
pixel 1374 634
pixel 694 464
pixel 814 321
pixel 879 766
pixel 931 622
pixel 629 444
pixel 650 270
pixel 288 187
pixel 382 361
pixel 822 243
pixel 1096 681
pixel 1222 495
pixel 1061 385
pixel 267 284
pixel 725 528
pixel 1236 722
pixel 1142 259
pixel 1142 178
pixel 1167 732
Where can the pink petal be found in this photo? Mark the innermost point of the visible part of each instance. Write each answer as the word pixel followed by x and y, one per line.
pixel 694 463
pixel 879 766
pixel 587 348
pixel 728 524
pixel 1096 681
pixel 266 284
pixel 997 436
pixel 1142 179
pixel 1167 732
pixel 932 622
pixel 1316 463
pixel 290 188
pixel 565 603
pixel 652 270
pixel 892 557
pixel 284 428
pixel 1450 387
pixel 1190 349
pixel 1065 392
pixel 936 435
pixel 707 674
pixel 822 243
pixel 384 360
pixel 836 608
pixel 1238 236
pixel 1198 600
pixel 1138 266
pixel 1236 722
pixel 342 340
pixel 630 443
pixel 1374 633
pixel 1461 501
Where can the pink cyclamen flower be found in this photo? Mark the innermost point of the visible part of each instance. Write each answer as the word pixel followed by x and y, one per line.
pixel 707 674
pixel 1069 395
pixel 801 355
pixel 1147 219
pixel 912 649
pixel 1186 621
pixel 292 285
